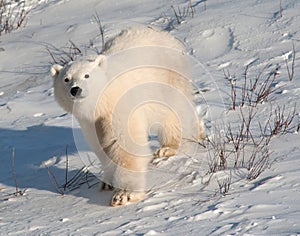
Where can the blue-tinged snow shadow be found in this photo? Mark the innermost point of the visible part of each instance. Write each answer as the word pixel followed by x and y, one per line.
pixel 35 146
pixel 32 146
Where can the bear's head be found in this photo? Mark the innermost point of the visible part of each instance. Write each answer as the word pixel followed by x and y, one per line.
pixel 78 80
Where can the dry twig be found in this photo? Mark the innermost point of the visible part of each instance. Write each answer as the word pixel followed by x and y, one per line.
pixel 100 27
pixel 12 18
pixel 224 185
pixel 291 72
pixel 14 171
pixel 65 55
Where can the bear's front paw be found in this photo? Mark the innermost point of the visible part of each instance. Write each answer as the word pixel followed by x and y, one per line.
pixel 165 152
pixel 122 197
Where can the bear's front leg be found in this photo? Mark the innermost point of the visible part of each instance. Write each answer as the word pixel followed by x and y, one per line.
pixel 130 179
pixel 122 197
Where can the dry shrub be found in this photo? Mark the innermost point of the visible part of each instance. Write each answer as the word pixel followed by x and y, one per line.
pixel 12 18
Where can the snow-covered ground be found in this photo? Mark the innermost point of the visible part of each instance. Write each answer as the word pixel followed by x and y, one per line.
pixel 222 35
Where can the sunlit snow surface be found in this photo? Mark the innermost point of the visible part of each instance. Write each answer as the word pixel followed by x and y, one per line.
pixel 226 36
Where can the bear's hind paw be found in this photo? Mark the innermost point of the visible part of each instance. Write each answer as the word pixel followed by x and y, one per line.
pixel 165 152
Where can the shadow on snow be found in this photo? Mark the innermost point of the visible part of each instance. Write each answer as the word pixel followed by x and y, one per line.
pixel 40 144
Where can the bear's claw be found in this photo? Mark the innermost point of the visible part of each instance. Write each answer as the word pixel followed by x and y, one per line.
pixel 105 187
pixel 165 152
pixel 122 197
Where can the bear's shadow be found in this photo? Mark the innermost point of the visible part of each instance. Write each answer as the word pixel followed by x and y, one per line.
pixel 34 149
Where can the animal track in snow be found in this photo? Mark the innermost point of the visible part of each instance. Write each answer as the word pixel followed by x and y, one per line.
pixel 215 42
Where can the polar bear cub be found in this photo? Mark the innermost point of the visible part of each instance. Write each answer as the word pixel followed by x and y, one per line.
pixel 136 87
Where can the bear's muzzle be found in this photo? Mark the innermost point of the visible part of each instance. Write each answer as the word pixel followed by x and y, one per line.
pixel 76 91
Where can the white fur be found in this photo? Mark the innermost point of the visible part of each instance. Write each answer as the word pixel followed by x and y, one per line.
pixel 117 107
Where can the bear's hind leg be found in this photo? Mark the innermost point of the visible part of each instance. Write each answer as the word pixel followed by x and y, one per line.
pixel 169 137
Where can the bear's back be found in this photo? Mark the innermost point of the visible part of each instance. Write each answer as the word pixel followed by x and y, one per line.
pixel 142 36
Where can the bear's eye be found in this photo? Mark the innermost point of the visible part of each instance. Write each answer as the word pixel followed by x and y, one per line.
pixel 86 76
pixel 67 80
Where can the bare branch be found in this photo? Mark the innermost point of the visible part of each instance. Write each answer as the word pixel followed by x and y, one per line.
pixel 101 30
pixel 232 82
pixel 224 185
pixel 244 88
pixel 291 71
pixel 54 181
pixel 280 8
pixel 12 18
pixel 14 171
pixel 67 168
pixel 63 56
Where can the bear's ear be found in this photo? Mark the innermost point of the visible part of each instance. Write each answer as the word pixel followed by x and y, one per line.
pixel 55 69
pixel 100 60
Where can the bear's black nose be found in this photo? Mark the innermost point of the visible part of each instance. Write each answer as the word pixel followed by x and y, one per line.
pixel 76 91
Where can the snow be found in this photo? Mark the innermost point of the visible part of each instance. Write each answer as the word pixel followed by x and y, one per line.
pixel 226 36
